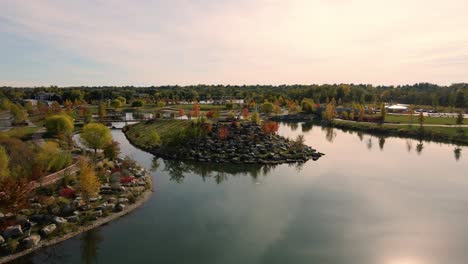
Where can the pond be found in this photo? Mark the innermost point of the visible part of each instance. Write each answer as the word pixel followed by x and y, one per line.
pixel 369 200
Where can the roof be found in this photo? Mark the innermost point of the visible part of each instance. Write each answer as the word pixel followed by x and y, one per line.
pixel 397 107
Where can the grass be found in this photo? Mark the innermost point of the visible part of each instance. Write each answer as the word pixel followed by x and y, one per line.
pixel 23 133
pixel 141 133
pixel 443 134
pixel 204 107
pixel 391 118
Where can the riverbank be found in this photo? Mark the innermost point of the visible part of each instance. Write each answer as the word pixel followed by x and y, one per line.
pixel 220 142
pixel 144 197
pixel 444 134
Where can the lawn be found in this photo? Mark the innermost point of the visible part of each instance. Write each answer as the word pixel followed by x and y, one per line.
pixel 391 118
pixel 141 134
pixel 23 133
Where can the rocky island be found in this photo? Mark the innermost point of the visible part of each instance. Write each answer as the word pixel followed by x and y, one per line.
pixel 219 142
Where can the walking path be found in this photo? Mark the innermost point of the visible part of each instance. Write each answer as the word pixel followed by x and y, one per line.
pixel 403 124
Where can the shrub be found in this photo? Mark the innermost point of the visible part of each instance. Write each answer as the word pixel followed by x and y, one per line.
pixel 127 179
pixel 68 193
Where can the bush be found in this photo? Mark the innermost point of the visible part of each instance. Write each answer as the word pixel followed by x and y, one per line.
pixel 67 193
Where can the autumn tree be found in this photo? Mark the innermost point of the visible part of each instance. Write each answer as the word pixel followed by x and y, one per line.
pixel 411 113
pixel 270 127
pixel 102 111
pixel 459 120
pixel 116 104
pixel 88 182
pixel 255 117
pixel 181 112
pixel 223 132
pixel 4 162
pixel 112 150
pixel 18 113
pixel 421 119
pixel 383 112
pixel 60 125
pixel 196 110
pixel 245 112
pixel 95 136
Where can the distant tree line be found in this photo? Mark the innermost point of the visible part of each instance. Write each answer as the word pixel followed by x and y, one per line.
pixel 455 95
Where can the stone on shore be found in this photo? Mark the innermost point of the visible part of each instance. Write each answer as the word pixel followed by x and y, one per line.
pixel 2 240
pixel 47 230
pixel 13 231
pixel 60 220
pixel 31 241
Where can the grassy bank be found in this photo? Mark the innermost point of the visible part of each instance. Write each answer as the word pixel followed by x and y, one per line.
pixel 442 134
pixel 406 119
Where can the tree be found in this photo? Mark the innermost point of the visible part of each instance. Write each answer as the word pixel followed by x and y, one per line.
pixel 245 112
pixel 421 119
pixel 181 112
pixel 460 99
pixel 4 162
pixel 102 111
pixel 459 120
pixel 112 150
pixel 383 112
pixel 96 136
pixel 267 107
pixel 116 103
pixel 122 100
pixel 255 117
pixel 18 113
pixel 196 110
pixel 88 181
pixel 270 127
pixel 411 113
pixel 330 112
pixel 361 113
pixel 60 125
pixel 160 104
pixel 29 107
pixel 223 132
pixel 137 103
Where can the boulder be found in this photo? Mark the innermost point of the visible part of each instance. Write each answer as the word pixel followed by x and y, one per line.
pixel 47 230
pixel 73 219
pixel 36 206
pixel 2 216
pixel 13 231
pixel 2 240
pixel 31 241
pixel 60 220
pixel 123 200
pixel 120 207
pixel 96 214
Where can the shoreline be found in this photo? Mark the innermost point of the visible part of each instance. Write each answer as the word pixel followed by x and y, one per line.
pixel 101 221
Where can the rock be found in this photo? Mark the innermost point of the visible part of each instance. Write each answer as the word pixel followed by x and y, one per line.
pixel 96 214
pixel 110 206
pixel 47 230
pixel 2 240
pixel 95 199
pixel 123 200
pixel 85 207
pixel 31 241
pixel 60 220
pixel 37 218
pixel 120 207
pixel 13 231
pixel 67 209
pixel 36 206
pixel 73 219
pixel 9 215
pixel 2 216
pixel 111 200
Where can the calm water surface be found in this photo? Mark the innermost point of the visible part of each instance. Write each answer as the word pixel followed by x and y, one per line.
pixel 369 200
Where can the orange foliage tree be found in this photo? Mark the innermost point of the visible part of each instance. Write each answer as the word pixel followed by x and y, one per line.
pixel 223 132
pixel 196 110
pixel 270 127
pixel 245 112
pixel 181 111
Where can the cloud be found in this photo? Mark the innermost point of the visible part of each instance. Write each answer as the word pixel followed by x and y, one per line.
pixel 263 41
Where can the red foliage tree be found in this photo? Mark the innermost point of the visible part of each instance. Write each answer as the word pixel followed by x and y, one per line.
pixel 270 127
pixel 68 193
pixel 14 194
pixel 223 132
pixel 210 114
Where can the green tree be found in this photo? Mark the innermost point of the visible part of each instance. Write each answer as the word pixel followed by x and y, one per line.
pixel 122 100
pixel 96 136
pixel 411 113
pixel 137 103
pixel 255 117
pixel 460 99
pixel 116 103
pixel 268 107
pixel 383 112
pixel 18 113
pixel 459 120
pixel 102 111
pixel 421 119
pixel 4 162
pixel 112 150
pixel 59 125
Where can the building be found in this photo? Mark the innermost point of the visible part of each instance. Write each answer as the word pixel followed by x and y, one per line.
pixel 397 108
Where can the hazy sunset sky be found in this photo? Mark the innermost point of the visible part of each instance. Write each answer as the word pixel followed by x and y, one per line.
pixel 117 42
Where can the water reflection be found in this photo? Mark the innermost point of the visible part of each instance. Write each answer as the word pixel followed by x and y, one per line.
pixel 381 142
pixel 457 152
pixel 409 145
pixel 178 170
pixel 369 143
pixel 330 133
pixel 360 135
pixel 307 126
pixel 90 246
pixel 419 147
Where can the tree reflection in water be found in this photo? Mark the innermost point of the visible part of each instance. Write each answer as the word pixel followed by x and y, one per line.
pixel 90 246
pixel 381 142
pixel 409 145
pixel 457 152
pixel 369 143
pixel 307 126
pixel 330 134
pixel 220 172
pixel 419 147
pixel 360 135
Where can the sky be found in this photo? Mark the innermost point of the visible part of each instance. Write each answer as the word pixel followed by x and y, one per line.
pixel 166 42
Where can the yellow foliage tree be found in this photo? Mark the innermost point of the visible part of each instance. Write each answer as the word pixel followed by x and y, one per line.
pixel 88 181
pixel 4 160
